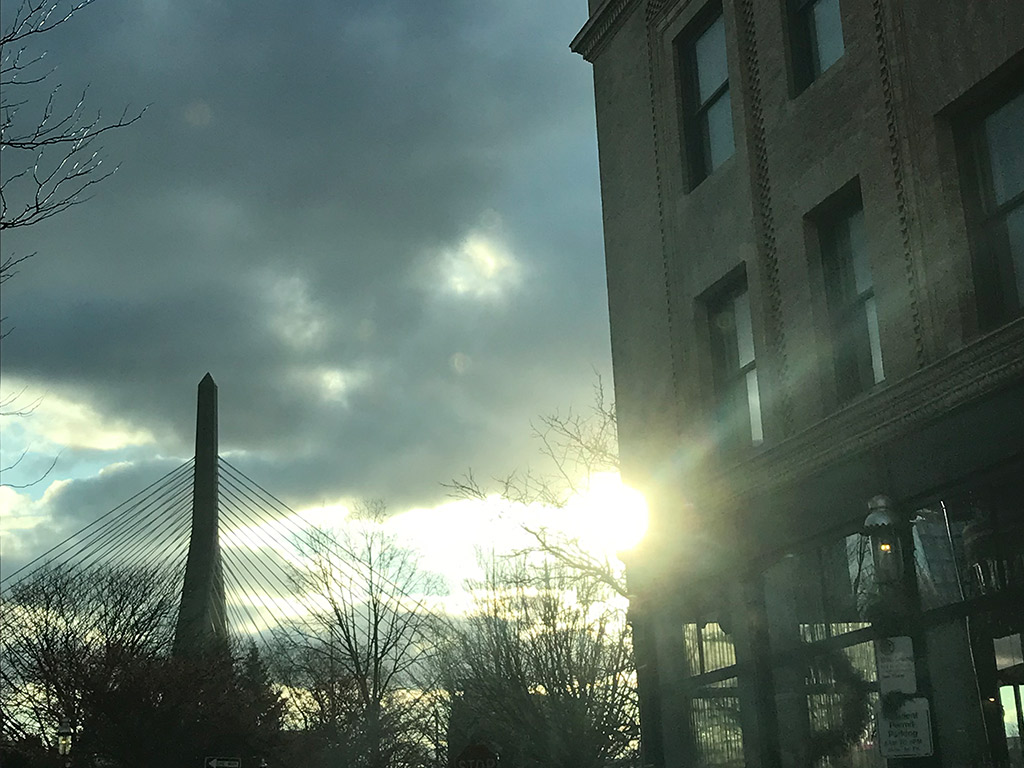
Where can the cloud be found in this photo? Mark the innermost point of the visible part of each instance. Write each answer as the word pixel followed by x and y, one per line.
pixel 307 212
pixel 293 316
pixel 480 268
pixel 57 421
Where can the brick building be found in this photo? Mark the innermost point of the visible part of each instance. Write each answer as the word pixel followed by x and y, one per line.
pixel 814 233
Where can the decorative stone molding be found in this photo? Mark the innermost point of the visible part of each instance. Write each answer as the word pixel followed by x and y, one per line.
pixel 654 8
pixel 601 27
pixel 896 162
pixel 764 209
pixel 979 369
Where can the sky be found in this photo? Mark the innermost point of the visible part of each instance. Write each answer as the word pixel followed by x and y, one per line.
pixel 376 224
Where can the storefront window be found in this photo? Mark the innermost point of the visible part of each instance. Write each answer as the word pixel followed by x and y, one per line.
pixel 825 689
pixel 708 648
pixel 968 545
pixel 715 717
pixel 1009 655
pixel 707 715
pixel 819 593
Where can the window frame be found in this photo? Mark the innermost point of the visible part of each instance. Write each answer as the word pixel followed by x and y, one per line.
pixel 696 126
pixel 855 332
pixel 804 47
pixel 729 379
pixel 994 271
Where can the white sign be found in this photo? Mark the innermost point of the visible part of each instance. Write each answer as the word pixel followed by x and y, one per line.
pixel 222 762
pixel 894 657
pixel 909 732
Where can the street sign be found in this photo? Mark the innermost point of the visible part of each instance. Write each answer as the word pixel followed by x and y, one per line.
pixel 476 756
pixel 908 733
pixel 222 762
pixel 894 657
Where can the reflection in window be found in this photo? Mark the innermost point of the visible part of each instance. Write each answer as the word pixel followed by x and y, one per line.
pixel 841 699
pixel 969 544
pixel 819 593
pixel 715 720
pixel 825 703
pixel 707 648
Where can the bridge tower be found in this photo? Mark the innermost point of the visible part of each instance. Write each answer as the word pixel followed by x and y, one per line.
pixel 201 617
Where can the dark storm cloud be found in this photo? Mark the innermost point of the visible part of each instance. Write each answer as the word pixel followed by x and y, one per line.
pixel 275 218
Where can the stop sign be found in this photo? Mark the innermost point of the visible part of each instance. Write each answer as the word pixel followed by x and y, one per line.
pixel 476 756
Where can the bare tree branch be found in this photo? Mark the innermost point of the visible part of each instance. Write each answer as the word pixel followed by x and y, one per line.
pixel 22 486
pixel 576 448
pixel 50 159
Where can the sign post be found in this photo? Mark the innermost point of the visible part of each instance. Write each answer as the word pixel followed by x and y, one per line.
pixel 905 726
pixel 894 658
pixel 907 733
pixel 222 762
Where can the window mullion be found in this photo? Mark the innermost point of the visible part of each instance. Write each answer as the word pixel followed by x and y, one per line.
pixel 709 102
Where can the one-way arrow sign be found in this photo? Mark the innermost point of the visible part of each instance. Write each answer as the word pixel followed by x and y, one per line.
pixel 222 762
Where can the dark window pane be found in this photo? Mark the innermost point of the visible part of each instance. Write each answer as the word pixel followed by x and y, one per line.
pixel 997 213
pixel 712 66
pixel 1004 134
pixel 1015 237
pixel 828 34
pixel 856 341
pixel 738 403
pixel 719 136
pixel 723 339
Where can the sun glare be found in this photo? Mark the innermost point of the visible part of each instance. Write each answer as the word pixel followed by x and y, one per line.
pixel 609 516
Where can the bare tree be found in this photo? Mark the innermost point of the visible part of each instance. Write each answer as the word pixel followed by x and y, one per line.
pixel 68 634
pixel 92 646
pixel 357 669
pixel 544 670
pixel 575 447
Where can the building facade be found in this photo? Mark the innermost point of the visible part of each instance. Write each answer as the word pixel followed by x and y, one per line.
pixel 814 234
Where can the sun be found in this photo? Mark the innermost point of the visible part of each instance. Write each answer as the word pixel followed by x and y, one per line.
pixel 609 516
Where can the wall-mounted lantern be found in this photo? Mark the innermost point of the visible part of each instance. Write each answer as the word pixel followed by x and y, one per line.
pixel 887 534
pixel 883 527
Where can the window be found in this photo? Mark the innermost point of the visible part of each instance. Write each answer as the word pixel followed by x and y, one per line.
pixel 732 351
pixel 707 124
pixel 816 37
pixel 824 671
pixel 851 301
pixel 996 211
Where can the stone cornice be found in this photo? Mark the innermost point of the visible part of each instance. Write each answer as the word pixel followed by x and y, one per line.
pixel 601 27
pixel 978 369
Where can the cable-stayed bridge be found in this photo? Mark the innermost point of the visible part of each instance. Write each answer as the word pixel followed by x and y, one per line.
pixel 235 553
